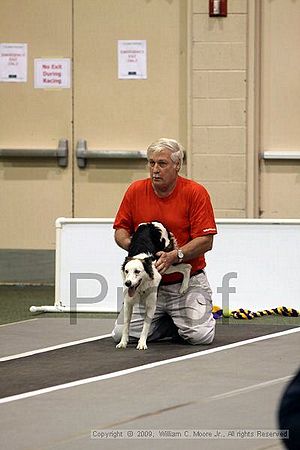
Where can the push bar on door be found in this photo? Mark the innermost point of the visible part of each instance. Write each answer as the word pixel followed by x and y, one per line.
pixel 83 154
pixel 280 154
pixel 61 153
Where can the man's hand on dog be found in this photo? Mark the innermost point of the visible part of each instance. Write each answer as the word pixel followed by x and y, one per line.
pixel 166 259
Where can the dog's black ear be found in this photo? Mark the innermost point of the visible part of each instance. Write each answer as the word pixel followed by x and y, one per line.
pixel 124 263
pixel 147 263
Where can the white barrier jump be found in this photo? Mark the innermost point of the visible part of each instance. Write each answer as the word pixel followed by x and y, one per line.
pixel 254 264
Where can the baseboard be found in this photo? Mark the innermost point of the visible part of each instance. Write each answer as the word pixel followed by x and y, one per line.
pixel 27 266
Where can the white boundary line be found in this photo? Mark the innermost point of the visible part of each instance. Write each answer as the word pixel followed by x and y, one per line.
pixel 251 388
pixel 145 366
pixel 53 347
pixel 17 323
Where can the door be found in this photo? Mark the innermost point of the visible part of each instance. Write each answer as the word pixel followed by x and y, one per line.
pixel 280 110
pixel 122 114
pixel 33 192
pixel 109 113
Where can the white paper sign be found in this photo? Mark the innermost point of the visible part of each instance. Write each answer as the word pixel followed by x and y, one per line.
pixel 132 59
pixel 52 73
pixel 13 63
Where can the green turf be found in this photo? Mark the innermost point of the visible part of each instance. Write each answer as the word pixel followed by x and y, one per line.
pixel 15 302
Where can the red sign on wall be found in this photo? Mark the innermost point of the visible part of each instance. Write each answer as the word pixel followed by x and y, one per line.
pixel 52 73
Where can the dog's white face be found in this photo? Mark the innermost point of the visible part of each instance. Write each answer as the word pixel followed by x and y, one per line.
pixel 134 273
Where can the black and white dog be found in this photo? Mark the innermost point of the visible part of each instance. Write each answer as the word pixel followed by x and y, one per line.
pixel 141 278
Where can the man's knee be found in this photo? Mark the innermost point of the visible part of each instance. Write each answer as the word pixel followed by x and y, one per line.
pixel 201 335
pixel 117 333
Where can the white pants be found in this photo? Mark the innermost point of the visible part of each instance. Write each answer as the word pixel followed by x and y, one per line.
pixel 188 315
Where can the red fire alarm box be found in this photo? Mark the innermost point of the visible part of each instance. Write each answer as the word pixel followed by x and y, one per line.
pixel 218 8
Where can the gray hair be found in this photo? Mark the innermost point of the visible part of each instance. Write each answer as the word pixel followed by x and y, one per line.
pixel 177 150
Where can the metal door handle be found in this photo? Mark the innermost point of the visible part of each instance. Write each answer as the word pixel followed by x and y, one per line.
pixel 280 154
pixel 61 153
pixel 83 154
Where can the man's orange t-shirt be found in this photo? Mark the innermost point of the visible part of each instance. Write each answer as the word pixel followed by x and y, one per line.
pixel 187 212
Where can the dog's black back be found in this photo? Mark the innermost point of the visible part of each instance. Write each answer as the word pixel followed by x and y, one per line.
pixel 148 239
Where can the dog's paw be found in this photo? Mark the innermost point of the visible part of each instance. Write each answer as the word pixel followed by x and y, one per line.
pixel 122 345
pixel 142 346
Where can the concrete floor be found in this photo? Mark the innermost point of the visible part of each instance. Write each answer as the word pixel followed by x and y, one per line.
pixel 235 389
